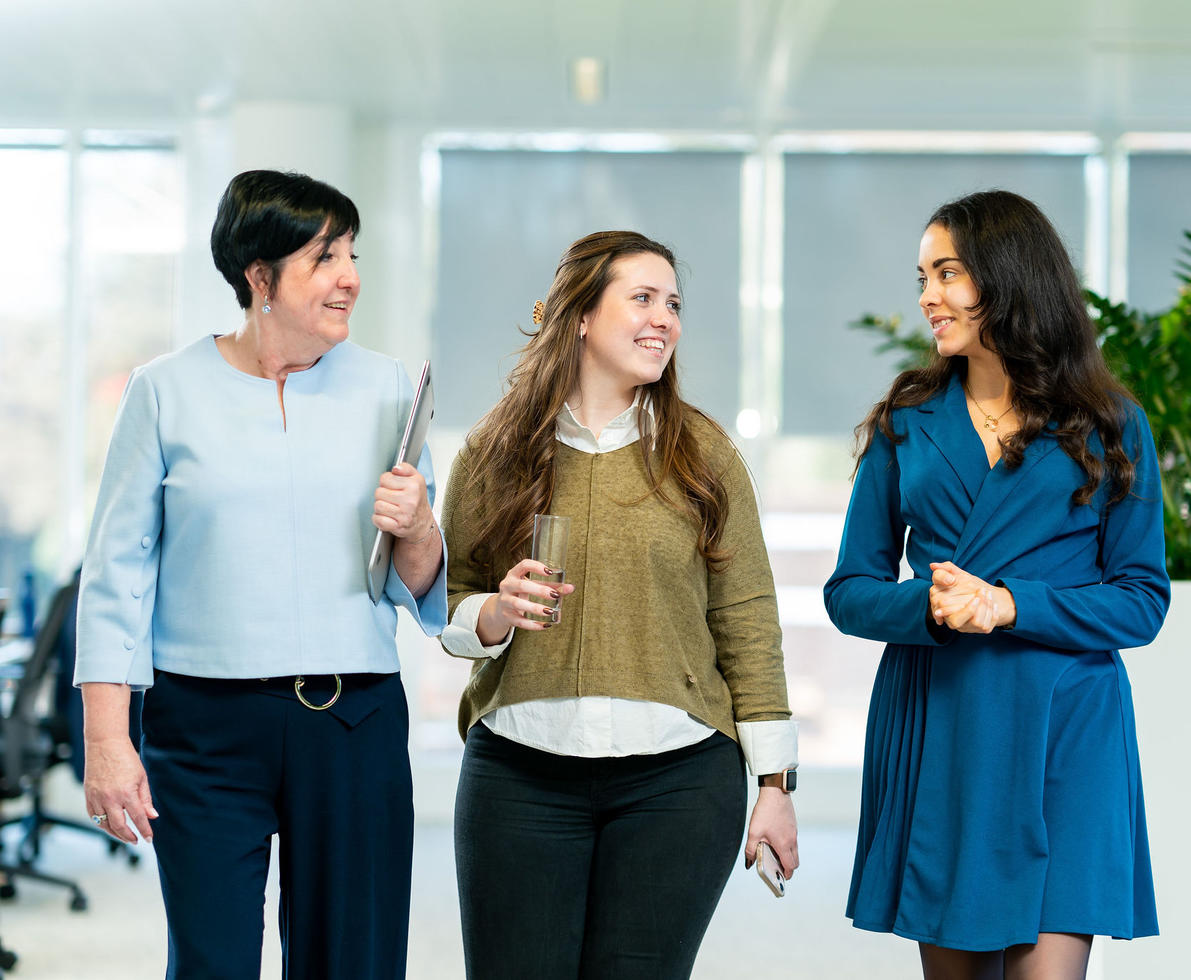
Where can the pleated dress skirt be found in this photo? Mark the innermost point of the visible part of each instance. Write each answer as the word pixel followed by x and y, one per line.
pixel 1001 798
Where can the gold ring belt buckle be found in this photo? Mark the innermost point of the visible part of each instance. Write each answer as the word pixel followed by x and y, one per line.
pixel 299 681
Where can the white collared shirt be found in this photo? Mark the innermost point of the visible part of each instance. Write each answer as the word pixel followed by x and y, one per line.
pixel 599 727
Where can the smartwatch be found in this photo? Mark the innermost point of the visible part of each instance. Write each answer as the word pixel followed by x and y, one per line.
pixel 786 780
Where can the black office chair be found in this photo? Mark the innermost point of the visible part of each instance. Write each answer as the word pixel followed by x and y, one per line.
pixel 31 741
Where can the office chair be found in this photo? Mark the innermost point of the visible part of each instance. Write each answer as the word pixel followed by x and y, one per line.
pixel 30 743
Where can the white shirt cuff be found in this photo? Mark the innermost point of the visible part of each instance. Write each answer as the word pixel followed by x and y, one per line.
pixel 769 746
pixel 460 637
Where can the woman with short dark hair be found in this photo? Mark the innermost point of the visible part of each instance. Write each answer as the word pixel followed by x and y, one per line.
pixel 1002 822
pixel 226 575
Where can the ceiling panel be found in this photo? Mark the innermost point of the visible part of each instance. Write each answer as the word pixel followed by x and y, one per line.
pixel 754 64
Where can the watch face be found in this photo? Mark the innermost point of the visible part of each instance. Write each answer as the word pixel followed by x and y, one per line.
pixel 791 780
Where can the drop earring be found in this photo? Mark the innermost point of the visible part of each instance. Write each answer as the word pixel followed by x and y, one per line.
pixel 266 308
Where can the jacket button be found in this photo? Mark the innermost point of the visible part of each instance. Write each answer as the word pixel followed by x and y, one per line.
pixel 146 541
pixel 136 593
pixel 690 678
pixel 129 643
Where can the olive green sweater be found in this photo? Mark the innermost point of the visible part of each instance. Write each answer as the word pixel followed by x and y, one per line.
pixel 647 620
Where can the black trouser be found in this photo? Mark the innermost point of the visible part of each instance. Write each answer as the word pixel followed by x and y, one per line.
pixel 592 868
pixel 230 763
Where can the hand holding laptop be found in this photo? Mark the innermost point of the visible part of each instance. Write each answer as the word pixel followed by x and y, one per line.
pixel 417 425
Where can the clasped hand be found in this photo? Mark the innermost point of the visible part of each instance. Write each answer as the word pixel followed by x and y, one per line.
pixel 966 603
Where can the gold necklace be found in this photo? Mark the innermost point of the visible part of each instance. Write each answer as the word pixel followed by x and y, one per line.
pixel 989 421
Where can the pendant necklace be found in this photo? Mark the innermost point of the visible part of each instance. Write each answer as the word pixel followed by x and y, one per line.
pixel 990 422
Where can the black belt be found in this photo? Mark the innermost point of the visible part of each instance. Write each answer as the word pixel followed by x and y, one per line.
pixel 293 682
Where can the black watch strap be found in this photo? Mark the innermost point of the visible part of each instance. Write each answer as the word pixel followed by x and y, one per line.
pixel 786 780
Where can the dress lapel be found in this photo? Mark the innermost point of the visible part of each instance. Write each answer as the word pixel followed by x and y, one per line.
pixel 993 512
pixel 944 421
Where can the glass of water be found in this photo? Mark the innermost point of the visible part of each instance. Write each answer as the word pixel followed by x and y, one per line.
pixel 550 533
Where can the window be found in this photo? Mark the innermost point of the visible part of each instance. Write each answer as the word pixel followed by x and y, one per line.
pixel 33 387
pixel 95 230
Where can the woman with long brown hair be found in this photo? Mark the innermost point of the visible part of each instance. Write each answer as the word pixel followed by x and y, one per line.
pixel 1002 822
pixel 602 795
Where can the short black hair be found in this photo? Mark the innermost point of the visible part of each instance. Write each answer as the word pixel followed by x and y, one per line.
pixel 267 215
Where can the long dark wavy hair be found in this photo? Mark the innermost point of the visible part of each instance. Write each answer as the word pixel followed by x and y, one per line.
pixel 513 447
pixel 1032 314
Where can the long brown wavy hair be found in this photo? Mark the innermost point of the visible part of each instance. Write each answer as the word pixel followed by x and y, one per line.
pixel 513 447
pixel 1033 315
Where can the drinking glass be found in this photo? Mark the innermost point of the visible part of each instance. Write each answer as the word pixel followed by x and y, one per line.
pixel 550 533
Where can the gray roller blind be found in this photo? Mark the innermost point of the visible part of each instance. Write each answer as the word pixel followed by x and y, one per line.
pixel 506 217
pixel 853 223
pixel 1159 213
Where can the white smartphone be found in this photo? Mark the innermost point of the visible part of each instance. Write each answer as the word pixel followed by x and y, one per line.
pixel 770 869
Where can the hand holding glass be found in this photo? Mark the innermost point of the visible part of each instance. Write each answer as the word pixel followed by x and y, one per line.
pixel 550 534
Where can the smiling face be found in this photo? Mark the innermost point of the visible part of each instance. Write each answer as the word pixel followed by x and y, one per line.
pixel 313 296
pixel 629 338
pixel 948 292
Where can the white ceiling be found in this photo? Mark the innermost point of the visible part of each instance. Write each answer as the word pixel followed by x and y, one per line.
pixel 753 65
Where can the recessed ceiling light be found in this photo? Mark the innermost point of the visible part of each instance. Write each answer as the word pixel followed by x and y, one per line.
pixel 587 80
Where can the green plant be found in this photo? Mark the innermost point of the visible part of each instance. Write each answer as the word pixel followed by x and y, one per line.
pixel 1151 354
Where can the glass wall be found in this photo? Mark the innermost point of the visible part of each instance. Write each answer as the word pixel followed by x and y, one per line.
pixel 95 230
pixel 131 202
pixel 853 222
pixel 33 254
pixel 507 216
pixel 1159 213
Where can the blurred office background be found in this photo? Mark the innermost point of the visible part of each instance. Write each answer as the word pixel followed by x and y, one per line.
pixel 789 151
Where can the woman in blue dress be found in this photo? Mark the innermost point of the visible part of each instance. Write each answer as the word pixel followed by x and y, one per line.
pixel 1002 822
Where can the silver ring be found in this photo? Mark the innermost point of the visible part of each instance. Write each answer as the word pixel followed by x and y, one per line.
pixel 98 818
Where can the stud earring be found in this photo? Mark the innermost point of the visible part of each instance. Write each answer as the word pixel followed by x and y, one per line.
pixel 266 308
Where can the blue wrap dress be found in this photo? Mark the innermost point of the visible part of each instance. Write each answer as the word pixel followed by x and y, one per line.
pixel 1002 791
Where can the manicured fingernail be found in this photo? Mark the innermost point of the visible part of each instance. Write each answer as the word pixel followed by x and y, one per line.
pixel 554 595
pixel 549 571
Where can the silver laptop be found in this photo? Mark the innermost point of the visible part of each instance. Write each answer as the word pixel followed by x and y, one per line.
pixel 416 428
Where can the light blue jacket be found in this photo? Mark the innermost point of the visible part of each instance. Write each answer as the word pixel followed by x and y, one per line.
pixel 228 544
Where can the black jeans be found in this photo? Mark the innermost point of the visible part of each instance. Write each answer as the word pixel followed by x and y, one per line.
pixel 592 868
